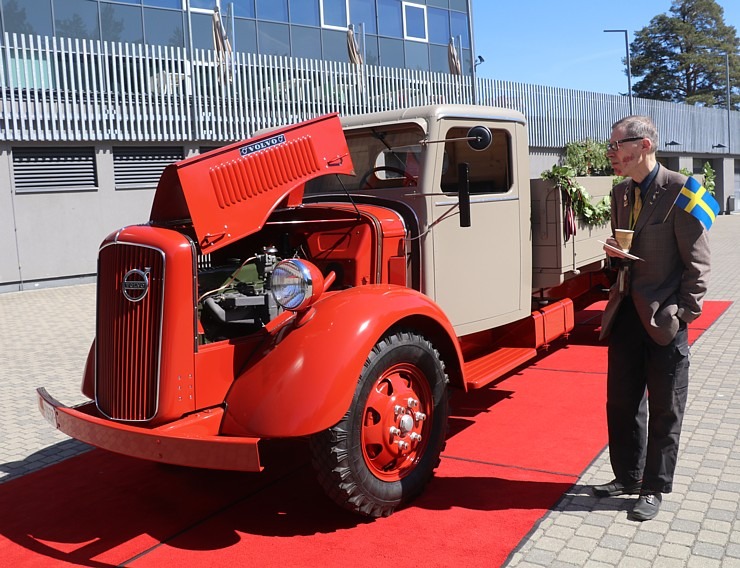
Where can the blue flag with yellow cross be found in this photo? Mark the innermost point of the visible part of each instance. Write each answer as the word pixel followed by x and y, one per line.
pixel 697 201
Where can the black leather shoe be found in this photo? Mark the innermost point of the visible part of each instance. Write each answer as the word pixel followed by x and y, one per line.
pixel 616 488
pixel 647 506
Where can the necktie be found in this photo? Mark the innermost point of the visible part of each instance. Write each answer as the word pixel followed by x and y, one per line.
pixel 636 206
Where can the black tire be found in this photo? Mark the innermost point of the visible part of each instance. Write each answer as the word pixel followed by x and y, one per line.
pixel 361 463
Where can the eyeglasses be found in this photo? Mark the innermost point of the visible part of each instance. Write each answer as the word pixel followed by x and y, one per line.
pixel 614 146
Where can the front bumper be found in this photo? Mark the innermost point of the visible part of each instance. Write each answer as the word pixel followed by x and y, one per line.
pixel 191 441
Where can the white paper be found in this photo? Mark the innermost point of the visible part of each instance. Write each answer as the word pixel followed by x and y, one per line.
pixel 619 252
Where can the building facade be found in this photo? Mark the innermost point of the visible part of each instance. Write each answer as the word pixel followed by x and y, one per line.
pixel 391 33
pixel 98 96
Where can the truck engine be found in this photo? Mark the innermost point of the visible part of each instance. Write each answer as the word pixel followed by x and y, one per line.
pixel 234 299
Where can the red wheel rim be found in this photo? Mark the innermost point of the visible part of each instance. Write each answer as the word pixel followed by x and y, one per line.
pixel 396 422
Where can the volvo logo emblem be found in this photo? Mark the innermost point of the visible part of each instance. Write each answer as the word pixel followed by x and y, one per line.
pixel 135 285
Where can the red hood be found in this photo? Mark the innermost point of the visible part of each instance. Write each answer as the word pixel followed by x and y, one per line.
pixel 229 193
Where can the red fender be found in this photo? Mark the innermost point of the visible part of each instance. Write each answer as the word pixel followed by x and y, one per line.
pixel 305 379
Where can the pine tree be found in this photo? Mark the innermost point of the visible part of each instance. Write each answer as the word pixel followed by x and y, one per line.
pixel 681 55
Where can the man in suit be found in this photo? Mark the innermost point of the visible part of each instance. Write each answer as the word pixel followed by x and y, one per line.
pixel 646 318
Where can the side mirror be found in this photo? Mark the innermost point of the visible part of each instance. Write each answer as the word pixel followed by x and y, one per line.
pixel 479 138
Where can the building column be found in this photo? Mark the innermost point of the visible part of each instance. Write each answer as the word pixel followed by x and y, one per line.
pixel 724 169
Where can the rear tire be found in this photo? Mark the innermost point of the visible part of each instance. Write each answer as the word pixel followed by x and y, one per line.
pixel 388 444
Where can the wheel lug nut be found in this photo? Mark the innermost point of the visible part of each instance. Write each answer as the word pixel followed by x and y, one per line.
pixel 415 437
pixel 412 402
pixel 420 416
pixel 398 409
pixel 395 431
pixel 403 445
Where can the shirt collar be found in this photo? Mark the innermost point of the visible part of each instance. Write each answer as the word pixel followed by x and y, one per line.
pixel 649 179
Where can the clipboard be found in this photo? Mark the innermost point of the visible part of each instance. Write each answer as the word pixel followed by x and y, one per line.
pixel 620 253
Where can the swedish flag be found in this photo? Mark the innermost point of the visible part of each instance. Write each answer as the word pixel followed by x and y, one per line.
pixel 696 200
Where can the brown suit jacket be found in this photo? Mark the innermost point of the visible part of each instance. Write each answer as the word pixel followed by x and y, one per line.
pixel 671 280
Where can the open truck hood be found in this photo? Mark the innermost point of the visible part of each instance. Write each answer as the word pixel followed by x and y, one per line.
pixel 230 192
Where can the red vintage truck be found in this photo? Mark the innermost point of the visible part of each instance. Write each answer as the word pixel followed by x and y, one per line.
pixel 329 280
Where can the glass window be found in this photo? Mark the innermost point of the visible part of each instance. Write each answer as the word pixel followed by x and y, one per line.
pixel 306 42
pixel 21 19
pixel 242 8
pixel 390 20
pixel 121 23
pixel 137 2
pixel 438 59
pixel 461 5
pixel 459 27
pixel 363 12
pixel 334 14
pixel 202 26
pixel 439 3
pixel 305 12
pixel 334 45
pixel 164 27
pixel 76 18
pixel 202 4
pixel 246 36
pixel 415 21
pixel 417 56
pixel 372 56
pixel 275 10
pixel 439 25
pixel 490 171
pixel 273 39
pixel 391 52
pixel 164 3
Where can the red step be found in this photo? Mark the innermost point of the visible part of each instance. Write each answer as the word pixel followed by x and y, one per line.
pixel 479 372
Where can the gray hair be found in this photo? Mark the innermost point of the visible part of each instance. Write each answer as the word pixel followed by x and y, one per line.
pixel 642 126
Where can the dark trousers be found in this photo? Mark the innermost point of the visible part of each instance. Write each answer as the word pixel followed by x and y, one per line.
pixel 647 385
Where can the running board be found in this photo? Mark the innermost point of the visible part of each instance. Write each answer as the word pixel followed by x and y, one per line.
pixel 479 372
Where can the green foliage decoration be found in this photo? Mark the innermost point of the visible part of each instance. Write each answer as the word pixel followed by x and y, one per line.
pixel 709 178
pixel 564 179
pixel 588 158
pixel 709 181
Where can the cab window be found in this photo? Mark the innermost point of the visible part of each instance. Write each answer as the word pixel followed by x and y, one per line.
pixel 489 169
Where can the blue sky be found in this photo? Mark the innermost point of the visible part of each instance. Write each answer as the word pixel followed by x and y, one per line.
pixel 561 43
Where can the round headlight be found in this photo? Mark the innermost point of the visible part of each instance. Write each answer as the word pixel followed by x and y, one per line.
pixel 296 284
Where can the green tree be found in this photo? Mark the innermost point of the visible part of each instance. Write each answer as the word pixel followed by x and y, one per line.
pixel 681 55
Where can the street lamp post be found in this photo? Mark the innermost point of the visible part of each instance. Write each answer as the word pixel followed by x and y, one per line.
pixel 629 65
pixel 729 101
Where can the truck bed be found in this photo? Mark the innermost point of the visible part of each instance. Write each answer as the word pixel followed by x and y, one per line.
pixel 554 260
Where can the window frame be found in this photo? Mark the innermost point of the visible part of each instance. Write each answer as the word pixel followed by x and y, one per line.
pixel 406 35
pixel 329 26
pixel 188 8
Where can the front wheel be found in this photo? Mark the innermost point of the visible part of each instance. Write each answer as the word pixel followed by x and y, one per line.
pixel 388 444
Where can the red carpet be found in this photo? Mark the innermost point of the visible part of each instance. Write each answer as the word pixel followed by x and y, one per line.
pixel 514 449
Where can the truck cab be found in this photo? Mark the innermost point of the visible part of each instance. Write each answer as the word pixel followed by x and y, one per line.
pixel 478 271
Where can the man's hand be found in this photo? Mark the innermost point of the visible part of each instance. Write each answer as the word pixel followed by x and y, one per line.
pixel 611 241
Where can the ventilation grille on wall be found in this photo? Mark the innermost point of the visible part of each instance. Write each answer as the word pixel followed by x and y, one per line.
pixel 54 169
pixel 140 167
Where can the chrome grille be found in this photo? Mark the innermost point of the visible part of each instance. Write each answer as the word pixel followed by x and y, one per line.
pixel 129 333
